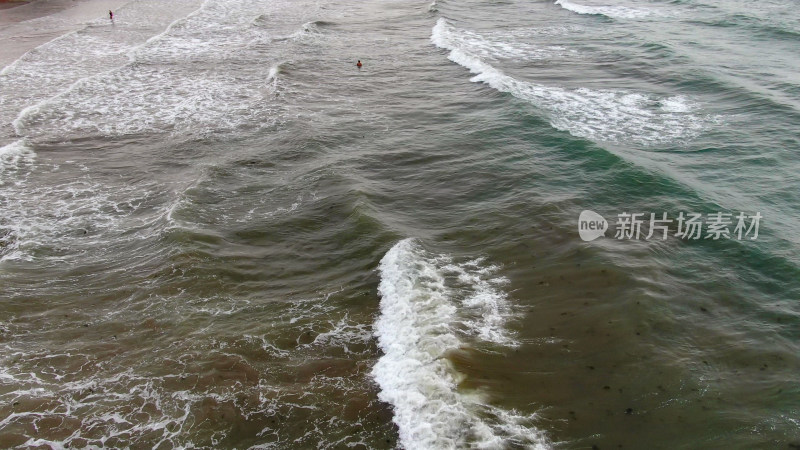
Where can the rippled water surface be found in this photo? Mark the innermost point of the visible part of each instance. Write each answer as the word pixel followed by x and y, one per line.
pixel 217 232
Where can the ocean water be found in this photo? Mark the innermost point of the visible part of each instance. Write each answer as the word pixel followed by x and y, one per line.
pixel 217 232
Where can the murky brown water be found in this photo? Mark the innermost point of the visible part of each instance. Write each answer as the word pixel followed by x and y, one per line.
pixel 217 232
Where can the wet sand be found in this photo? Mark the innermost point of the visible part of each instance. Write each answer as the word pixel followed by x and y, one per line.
pixel 8 4
pixel 27 25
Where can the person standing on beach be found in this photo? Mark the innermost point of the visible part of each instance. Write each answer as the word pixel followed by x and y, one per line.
pixel 110 15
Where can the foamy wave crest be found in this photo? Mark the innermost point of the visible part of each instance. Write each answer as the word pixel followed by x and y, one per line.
pixel 309 32
pixel 14 156
pixel 600 115
pixel 272 77
pixel 614 12
pixel 429 306
pixel 499 45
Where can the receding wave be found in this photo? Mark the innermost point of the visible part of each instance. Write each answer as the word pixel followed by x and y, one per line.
pixel 56 67
pixel 600 115
pixel 614 12
pixel 430 305
pixel 146 95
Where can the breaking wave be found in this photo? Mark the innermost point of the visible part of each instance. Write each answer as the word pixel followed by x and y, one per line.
pixel 430 305
pixel 600 115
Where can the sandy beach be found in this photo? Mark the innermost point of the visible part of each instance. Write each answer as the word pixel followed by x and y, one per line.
pixel 25 25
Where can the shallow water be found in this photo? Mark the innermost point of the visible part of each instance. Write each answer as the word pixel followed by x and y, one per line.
pixel 218 232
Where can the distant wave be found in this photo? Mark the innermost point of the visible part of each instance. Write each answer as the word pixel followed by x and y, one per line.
pixel 507 45
pixel 309 28
pixel 614 12
pixel 763 28
pixel 316 25
pixel 423 316
pixel 261 20
pixel 601 115
pixel 308 32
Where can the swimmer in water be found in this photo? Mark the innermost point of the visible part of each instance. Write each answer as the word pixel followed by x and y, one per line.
pixel 110 15
pixel 358 64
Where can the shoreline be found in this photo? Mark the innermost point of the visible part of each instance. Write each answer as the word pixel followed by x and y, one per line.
pixel 24 24
pixel 8 4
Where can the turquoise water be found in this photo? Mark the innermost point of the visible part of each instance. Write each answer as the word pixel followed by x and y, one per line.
pixel 218 232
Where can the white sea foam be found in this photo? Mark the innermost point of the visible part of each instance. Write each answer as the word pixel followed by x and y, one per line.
pixel 612 11
pixel 498 45
pixel 421 319
pixel 123 405
pixel 193 77
pixel 600 115
pixel 273 73
pixel 158 90
pixel 146 100
pixel 59 220
pixel 677 104
pixel 485 301
pixel 272 77
pixel 53 69
pixel 14 156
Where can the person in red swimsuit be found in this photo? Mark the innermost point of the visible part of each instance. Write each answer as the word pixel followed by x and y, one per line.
pixel 358 64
